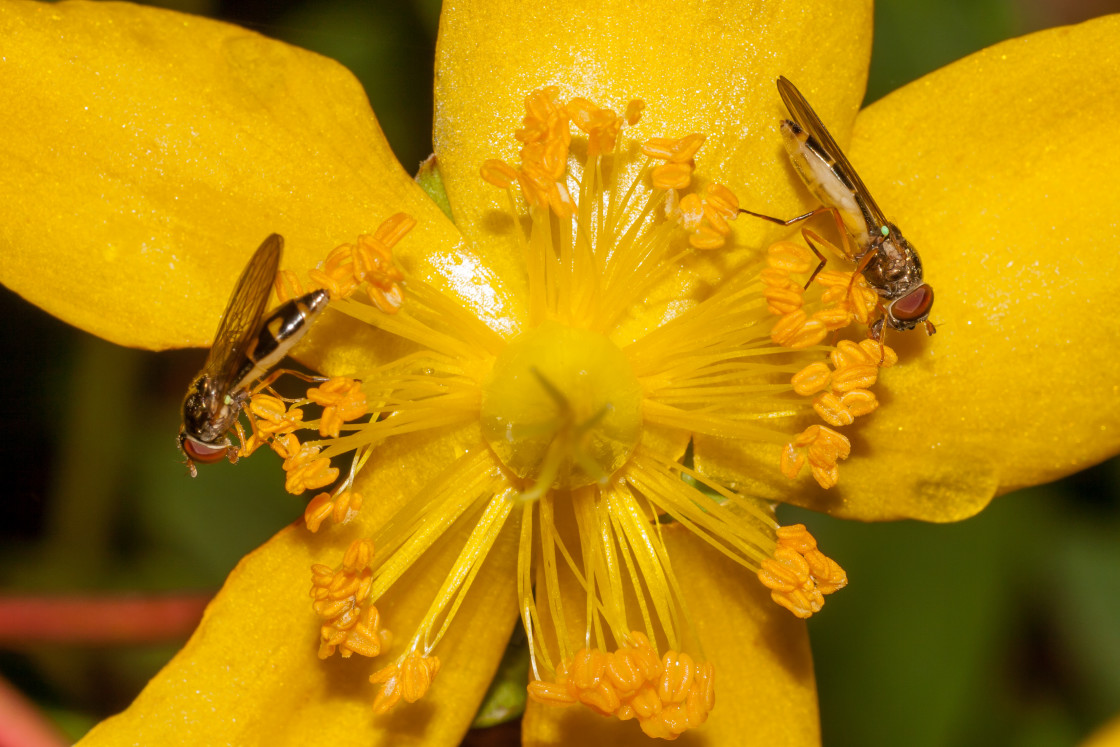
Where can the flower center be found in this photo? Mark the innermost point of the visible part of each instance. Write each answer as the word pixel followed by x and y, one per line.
pixel 562 407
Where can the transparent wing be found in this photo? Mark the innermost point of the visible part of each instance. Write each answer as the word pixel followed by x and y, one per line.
pixel 804 115
pixel 243 314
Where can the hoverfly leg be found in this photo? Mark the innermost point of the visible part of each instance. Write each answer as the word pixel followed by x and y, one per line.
pixel 878 332
pixel 806 233
pixel 265 384
pixel 789 222
pixel 811 237
pixel 241 438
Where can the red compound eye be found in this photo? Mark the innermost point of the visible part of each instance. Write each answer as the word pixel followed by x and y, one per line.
pixel 199 452
pixel 915 305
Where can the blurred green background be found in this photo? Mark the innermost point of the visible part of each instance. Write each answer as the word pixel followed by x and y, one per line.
pixel 1004 629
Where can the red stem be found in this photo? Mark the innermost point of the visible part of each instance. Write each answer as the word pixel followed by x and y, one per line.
pixel 21 724
pixel 99 620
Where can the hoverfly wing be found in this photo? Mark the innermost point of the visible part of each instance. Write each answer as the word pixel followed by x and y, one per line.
pixel 243 314
pixel 808 120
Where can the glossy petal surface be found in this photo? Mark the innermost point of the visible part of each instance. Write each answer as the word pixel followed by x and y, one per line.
pixel 154 151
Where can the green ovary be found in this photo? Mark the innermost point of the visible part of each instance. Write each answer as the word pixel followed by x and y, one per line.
pixel 562 407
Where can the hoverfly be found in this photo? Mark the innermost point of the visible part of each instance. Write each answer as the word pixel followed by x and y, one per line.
pixel 246 347
pixel 887 260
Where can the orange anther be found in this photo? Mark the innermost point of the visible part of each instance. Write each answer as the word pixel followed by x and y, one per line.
pixel 775 277
pixel 552 693
pixel 661 148
pixel 859 402
pixel 832 410
pixel 671 176
pixel 346 506
pixel 676 677
pixel 823 447
pixel 317 511
pixel 782 301
pixel 634 111
pixel 349 621
pixel 707 238
pixel 390 693
pixel 812 379
pixel 271 416
pixel 798 573
pixel 342 400
pixel 826 572
pixel 287 286
pixel 394 228
pixel 417 673
pixel 722 200
pixel 801 602
pixel 785 571
pixel 848 353
pixel 587 667
pixel 796 331
pixel 498 173
pixel 792 460
pixel 859 376
pixel 796 537
pixel 358 555
pixel 686 147
pixel 790 257
pixel 308 471
pixel 877 351
pixel 601 698
pixel 834 317
pixel 366 637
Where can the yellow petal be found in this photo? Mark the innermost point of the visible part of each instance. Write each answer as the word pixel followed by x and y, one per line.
pixel 700 67
pixel 1002 169
pixel 764 679
pixel 1106 736
pixel 152 152
pixel 250 673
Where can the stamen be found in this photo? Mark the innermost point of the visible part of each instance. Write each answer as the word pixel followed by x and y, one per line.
pixel 676 173
pixel 634 111
pixel 409 679
pixel 287 286
pixel 705 218
pixel 306 469
pixel 849 292
pixel 822 448
pixel 667 695
pixel 798 574
pixel 373 264
pixel 601 125
pixel 498 173
pixel 341 508
pixel 848 394
pixel 342 400
pixel 349 266
pixel 341 600
pixel 797 331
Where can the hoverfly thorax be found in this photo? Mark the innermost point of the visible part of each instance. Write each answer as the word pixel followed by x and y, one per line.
pixel 247 346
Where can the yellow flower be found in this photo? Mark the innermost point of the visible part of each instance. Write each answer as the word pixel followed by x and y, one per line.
pixel 153 151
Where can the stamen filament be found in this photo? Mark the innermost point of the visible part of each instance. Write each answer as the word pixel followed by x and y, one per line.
pixel 466 567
